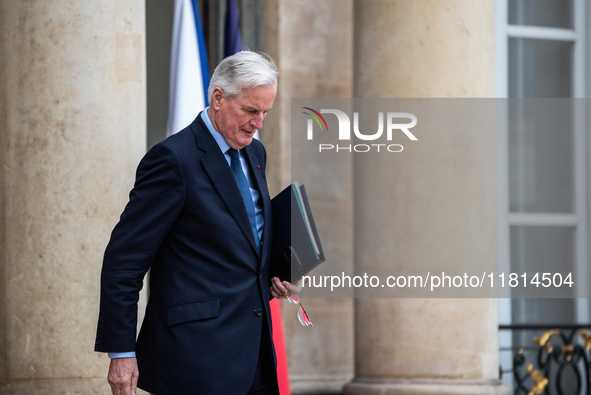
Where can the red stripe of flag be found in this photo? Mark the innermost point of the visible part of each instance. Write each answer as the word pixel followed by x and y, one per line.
pixel 278 339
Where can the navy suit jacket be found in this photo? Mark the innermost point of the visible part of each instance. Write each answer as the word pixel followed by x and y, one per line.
pixel 209 288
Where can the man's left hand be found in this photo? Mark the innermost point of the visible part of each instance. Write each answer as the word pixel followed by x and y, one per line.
pixel 282 289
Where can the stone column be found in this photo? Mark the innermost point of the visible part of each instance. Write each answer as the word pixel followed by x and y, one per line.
pixel 426 49
pixel 72 130
pixel 312 43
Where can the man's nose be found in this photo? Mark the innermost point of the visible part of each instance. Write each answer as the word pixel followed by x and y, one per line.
pixel 257 121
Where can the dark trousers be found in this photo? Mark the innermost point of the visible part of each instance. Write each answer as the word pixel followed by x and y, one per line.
pixel 265 377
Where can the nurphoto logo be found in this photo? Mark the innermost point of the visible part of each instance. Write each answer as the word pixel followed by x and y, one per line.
pixel 395 122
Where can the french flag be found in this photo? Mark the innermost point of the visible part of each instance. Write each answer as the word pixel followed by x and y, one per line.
pixel 189 71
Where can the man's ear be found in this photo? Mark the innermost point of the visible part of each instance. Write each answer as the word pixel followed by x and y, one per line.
pixel 217 97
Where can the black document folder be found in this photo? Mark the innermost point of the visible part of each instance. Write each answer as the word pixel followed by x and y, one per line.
pixel 296 248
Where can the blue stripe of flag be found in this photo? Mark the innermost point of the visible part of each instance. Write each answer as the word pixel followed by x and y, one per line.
pixel 233 40
pixel 202 51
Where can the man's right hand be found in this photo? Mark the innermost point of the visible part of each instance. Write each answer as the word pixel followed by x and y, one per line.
pixel 123 375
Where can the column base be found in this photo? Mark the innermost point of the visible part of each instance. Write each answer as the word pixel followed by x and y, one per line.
pixel 321 384
pixel 59 386
pixel 424 387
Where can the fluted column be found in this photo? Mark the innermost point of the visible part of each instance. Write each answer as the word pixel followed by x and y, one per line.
pixel 426 49
pixel 72 130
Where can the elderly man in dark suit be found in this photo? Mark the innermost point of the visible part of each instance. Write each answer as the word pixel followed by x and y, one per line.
pixel 199 216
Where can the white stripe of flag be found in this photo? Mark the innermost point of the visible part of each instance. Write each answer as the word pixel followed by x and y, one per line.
pixel 187 97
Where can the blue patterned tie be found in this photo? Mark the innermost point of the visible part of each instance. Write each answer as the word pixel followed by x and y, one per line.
pixel 245 192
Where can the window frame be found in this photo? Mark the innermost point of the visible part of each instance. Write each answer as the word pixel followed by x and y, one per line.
pixel 579 219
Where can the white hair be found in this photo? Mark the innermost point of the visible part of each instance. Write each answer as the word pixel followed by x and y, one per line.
pixel 244 69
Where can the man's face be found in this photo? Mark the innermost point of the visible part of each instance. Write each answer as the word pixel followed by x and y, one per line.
pixel 239 118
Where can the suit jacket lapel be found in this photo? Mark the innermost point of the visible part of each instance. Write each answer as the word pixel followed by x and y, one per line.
pixel 259 180
pixel 220 174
